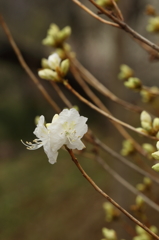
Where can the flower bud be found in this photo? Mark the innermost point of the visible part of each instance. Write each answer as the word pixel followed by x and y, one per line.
pixel 105 3
pixel 156 166
pixel 133 83
pixel 109 234
pixel 48 74
pixel 146 96
pixel 147 181
pixel 44 63
pixel 140 187
pixel 54 61
pixel 155 124
pixel 154 229
pixel 139 201
pixel 64 34
pixel 141 130
pixel 65 66
pixel 155 155
pixel 147 126
pixel 53 30
pixel 125 72
pixel 153 24
pixel 149 148
pixel 140 230
pixel 48 41
pixel 145 117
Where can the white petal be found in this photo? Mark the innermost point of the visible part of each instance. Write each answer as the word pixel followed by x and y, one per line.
pixel 78 144
pixel 54 61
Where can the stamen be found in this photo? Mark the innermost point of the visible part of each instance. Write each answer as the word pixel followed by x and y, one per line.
pixel 33 146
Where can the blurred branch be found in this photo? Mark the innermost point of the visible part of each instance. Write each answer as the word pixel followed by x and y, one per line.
pixel 126 184
pixel 125 27
pixel 97 101
pixel 25 66
pixel 94 15
pixel 91 105
pixel 99 190
pixel 89 78
pixel 119 13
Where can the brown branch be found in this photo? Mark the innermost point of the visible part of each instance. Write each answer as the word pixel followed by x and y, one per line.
pixel 121 158
pixel 91 105
pixel 61 94
pixel 125 27
pixel 89 78
pixel 98 102
pixel 119 13
pixel 25 66
pixel 99 190
pixel 126 184
pixel 94 15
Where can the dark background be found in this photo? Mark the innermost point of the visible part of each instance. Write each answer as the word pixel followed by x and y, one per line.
pixel 43 201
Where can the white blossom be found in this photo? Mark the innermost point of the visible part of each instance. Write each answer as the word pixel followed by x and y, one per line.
pixel 67 128
pixel 54 61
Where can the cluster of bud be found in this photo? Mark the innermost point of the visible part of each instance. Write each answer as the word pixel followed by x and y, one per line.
pixel 109 234
pixel 55 37
pixel 146 185
pixel 110 211
pixel 106 3
pixel 142 234
pixel 148 95
pixel 149 126
pixel 127 147
pixel 153 24
pixel 54 68
pixel 125 72
pixel 149 149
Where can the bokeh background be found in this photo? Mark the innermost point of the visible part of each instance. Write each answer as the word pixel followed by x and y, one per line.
pixel 43 201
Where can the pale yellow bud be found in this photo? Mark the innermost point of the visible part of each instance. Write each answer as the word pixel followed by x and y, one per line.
pixel 139 201
pixel 154 229
pixel 140 230
pixel 149 148
pixel 65 67
pixel 147 181
pixel 147 126
pixel 156 166
pixel 156 124
pixel 109 234
pixel 140 187
pixel 145 117
pixel 133 83
pixel 64 34
pixel 44 63
pixel 48 74
pixel 153 25
pixel 155 155
pixel 48 41
pixel 141 130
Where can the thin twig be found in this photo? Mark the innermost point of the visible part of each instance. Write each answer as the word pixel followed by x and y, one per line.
pixel 61 94
pixel 125 27
pixel 94 15
pixel 99 190
pixel 119 13
pixel 91 105
pixel 89 78
pixel 98 102
pixel 25 66
pixel 123 160
pixel 126 184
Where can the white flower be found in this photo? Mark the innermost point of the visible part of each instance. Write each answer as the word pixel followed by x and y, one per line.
pixel 54 61
pixel 67 128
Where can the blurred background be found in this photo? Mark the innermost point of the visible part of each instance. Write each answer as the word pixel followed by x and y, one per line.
pixel 43 201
